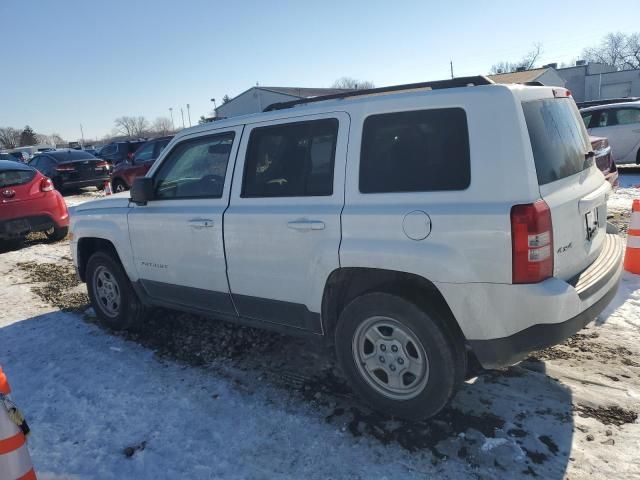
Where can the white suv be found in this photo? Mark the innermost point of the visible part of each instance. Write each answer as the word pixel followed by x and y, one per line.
pixel 413 226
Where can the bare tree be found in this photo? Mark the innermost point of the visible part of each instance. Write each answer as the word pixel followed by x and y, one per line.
pixel 527 62
pixel 352 84
pixel 162 126
pixel 131 126
pixel 226 99
pixel 9 137
pixel 617 49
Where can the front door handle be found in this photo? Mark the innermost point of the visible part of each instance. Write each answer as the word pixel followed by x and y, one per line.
pixel 304 225
pixel 200 223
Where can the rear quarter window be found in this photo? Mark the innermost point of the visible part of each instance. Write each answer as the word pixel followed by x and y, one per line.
pixel 417 151
pixel 558 138
pixel 11 178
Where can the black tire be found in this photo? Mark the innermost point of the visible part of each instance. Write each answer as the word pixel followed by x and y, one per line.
pixel 445 354
pixel 119 186
pixel 130 313
pixel 55 234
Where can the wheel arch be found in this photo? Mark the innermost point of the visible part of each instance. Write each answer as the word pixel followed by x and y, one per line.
pixel 345 284
pixel 87 246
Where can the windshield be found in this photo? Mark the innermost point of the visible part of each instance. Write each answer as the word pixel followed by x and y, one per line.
pixel 558 138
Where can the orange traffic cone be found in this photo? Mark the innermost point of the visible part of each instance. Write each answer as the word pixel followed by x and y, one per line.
pixel 15 462
pixel 107 187
pixel 632 255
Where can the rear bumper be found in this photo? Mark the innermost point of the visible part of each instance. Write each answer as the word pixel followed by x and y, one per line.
pixel 20 218
pixel 503 323
pixel 92 182
pixel 18 227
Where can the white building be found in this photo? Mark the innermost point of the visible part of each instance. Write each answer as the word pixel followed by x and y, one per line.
pixel 596 81
pixel 256 99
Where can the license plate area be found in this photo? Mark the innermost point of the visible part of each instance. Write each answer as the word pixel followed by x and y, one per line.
pixel 591 223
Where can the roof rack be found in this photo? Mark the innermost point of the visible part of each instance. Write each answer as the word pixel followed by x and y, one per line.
pixel 435 85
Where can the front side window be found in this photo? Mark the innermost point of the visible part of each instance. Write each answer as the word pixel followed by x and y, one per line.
pixel 195 168
pixel 291 160
pixel 418 151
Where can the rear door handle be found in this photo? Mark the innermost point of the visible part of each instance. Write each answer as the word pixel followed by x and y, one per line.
pixel 200 223
pixel 304 225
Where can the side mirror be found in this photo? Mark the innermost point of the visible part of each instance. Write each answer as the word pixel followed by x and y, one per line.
pixel 142 190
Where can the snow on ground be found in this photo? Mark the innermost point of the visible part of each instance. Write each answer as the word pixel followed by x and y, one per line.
pixel 199 399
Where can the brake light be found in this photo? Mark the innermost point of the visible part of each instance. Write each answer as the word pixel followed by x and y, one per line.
pixel 531 242
pixel 102 164
pixel 65 168
pixel 46 185
pixel 561 92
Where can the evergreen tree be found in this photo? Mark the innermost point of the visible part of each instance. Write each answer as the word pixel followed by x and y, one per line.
pixel 28 137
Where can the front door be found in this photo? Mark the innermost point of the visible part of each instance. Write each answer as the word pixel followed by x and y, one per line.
pixel 177 237
pixel 282 228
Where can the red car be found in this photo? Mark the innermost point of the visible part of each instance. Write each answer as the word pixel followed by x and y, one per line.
pixel 29 203
pixel 604 160
pixel 126 172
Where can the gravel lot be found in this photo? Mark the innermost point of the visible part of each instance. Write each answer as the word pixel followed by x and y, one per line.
pixel 188 396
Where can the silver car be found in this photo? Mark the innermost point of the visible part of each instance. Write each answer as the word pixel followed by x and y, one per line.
pixel 620 123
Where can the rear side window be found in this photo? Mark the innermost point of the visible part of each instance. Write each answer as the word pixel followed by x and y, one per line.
pixel 420 151
pixel 11 178
pixel 628 116
pixel 558 138
pixel 291 160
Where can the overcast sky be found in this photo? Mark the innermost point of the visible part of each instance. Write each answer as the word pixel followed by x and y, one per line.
pixel 68 62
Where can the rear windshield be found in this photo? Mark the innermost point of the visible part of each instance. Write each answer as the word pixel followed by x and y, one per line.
pixel 10 178
pixel 558 138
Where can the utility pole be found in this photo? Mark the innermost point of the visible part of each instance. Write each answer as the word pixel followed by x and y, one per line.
pixel 82 136
pixel 189 114
pixel 214 107
pixel 172 124
pixel 182 113
pixel 451 65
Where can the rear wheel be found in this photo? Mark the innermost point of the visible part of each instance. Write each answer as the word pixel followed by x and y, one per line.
pixel 55 233
pixel 115 302
pixel 398 357
pixel 118 186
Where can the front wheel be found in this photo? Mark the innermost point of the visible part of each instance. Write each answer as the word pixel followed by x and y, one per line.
pixel 398 357
pixel 115 302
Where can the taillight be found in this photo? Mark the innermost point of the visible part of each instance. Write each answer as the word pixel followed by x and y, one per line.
pixel 130 155
pixel 46 185
pixel 65 168
pixel 531 242
pixel 102 164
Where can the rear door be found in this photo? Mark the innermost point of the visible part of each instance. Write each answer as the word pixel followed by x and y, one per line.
pixel 282 228
pixel 570 183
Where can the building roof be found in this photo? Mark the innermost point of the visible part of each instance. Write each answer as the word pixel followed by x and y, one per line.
pixel 302 92
pixel 519 77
